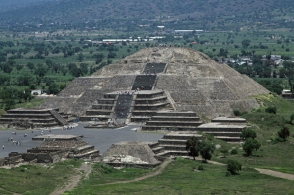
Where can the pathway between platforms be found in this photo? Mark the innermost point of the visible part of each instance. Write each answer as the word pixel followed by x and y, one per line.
pixel 84 170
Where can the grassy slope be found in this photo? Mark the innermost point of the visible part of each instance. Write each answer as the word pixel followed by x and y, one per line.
pixel 36 179
pixel 180 177
pixel 275 156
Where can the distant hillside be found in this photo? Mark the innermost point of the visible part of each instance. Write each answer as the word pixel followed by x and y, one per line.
pixel 196 13
pixel 7 5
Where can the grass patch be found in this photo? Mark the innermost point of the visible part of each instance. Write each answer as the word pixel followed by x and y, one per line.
pixel 36 179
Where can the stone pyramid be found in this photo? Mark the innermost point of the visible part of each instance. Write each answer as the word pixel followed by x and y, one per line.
pixel 190 79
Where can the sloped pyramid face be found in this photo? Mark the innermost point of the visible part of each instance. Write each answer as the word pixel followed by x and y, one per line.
pixel 190 79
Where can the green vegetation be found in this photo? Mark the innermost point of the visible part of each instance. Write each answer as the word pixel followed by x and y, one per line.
pixel 181 177
pixel 36 179
pixel 233 166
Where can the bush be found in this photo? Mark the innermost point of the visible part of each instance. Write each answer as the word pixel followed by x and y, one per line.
pixel 200 168
pixel 271 109
pixel 234 166
pixel 237 113
pixel 234 151
pixel 284 133
pixel 246 133
pixel 249 145
pixel 224 151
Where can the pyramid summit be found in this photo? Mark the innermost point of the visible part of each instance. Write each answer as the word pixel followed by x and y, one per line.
pixel 160 79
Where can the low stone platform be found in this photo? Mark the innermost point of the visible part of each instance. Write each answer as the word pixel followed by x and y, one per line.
pixel 226 131
pixel 56 137
pixel 229 120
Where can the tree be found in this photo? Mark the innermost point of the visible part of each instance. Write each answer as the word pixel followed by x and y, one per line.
pixel 284 133
pixel 80 57
pixel 192 147
pixel 246 133
pixel 206 149
pixel 245 43
pixel 30 65
pixel 250 145
pixel 234 166
pixel 271 109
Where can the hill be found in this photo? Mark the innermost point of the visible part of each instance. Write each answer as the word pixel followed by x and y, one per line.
pixel 206 14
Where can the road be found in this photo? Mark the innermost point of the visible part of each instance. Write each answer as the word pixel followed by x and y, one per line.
pixel 102 139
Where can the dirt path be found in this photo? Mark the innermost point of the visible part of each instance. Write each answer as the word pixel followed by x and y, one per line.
pixel 84 170
pixel 276 174
pixel 157 172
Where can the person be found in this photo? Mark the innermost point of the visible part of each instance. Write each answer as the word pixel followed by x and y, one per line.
pixel 3 147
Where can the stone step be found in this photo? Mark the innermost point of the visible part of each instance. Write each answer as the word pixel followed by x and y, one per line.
pixel 229 120
pixel 141 117
pixel 182 136
pixel 87 154
pixel 98 112
pixel 150 106
pixel 151 98
pixel 102 106
pixel 84 149
pixel 95 117
pixel 171 142
pixel 229 139
pixel 174 147
pixel 157 149
pixel 183 114
pixel 19 115
pixel 168 128
pixel 223 133
pixel 144 112
pixel 221 129
pixel 173 152
pixel 174 118
pixel 174 123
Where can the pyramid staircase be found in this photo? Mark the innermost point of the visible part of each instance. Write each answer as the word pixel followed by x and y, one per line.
pixel 151 68
pixel 59 118
pixel 144 82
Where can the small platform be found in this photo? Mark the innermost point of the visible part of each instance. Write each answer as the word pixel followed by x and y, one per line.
pixel 56 137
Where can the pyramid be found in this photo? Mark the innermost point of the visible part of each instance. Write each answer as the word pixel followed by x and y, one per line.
pixel 190 80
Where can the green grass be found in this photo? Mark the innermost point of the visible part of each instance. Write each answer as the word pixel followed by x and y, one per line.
pixel 180 177
pixel 36 179
pixel 30 104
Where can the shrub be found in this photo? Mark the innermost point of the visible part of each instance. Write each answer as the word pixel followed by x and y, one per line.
pixel 237 113
pixel 200 168
pixel 206 149
pixel 224 151
pixel 249 145
pixel 284 133
pixel 234 151
pixel 246 133
pixel 271 109
pixel 234 166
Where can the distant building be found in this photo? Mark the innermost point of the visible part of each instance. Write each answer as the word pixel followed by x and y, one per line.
pixel 286 93
pixel 37 92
